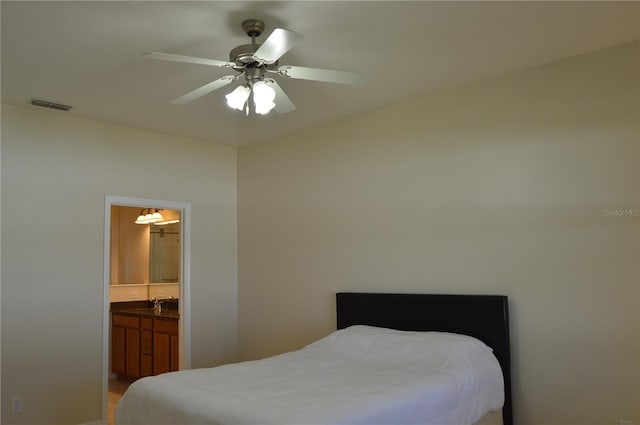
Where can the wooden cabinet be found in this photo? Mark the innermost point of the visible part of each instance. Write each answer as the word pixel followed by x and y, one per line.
pixel 132 361
pixel 165 345
pixel 146 346
pixel 125 345
pixel 118 350
pixel 143 345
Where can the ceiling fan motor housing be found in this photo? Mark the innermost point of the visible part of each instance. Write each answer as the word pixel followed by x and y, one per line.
pixel 243 56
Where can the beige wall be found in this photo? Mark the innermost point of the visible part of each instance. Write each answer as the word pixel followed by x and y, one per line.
pixel 496 187
pixel 56 171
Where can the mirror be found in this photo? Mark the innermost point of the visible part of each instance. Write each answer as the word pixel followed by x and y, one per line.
pixel 144 258
pixel 164 253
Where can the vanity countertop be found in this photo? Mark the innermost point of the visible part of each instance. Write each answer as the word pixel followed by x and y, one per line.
pixel 145 308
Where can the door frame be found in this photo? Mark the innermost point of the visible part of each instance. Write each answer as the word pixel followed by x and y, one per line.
pixel 184 340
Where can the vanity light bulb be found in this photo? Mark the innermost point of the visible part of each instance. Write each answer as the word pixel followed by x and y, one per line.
pixel 156 216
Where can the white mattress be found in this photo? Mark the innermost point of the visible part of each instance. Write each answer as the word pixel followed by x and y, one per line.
pixel 358 375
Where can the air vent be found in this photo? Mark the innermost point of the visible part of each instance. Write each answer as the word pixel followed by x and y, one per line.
pixel 50 105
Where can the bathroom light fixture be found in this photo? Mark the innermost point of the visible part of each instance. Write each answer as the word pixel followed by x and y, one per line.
pixel 263 97
pixel 164 223
pixel 149 215
pixel 168 217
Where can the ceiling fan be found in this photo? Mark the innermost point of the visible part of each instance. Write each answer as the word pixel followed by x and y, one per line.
pixel 255 63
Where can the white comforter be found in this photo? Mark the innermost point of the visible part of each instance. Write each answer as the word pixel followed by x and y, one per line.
pixel 358 375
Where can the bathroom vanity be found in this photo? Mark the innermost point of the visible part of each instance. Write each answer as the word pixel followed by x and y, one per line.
pixel 144 339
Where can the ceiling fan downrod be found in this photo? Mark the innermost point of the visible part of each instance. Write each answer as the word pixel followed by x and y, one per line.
pixel 253 28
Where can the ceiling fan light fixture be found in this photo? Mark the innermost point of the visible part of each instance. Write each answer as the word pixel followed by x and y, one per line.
pixel 263 97
pixel 253 61
pixel 238 98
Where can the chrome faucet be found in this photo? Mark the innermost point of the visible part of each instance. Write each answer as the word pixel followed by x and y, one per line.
pixel 157 305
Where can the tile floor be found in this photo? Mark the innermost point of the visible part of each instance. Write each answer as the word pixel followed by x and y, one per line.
pixel 117 387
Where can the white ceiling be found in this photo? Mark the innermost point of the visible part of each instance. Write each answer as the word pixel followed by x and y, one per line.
pixel 88 54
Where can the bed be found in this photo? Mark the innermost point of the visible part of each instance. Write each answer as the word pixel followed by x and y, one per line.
pixel 454 353
pixel 485 317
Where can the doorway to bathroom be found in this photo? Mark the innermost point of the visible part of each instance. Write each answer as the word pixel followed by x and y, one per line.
pixel 146 326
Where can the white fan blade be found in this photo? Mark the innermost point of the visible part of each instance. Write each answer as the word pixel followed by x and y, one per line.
pixel 187 59
pixel 326 75
pixel 277 44
pixel 282 101
pixel 206 89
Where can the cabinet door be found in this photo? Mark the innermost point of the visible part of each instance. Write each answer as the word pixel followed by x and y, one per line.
pixel 118 350
pixel 146 365
pixel 132 362
pixel 161 353
pixel 146 342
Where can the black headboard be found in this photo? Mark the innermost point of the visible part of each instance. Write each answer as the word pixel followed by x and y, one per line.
pixel 485 317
